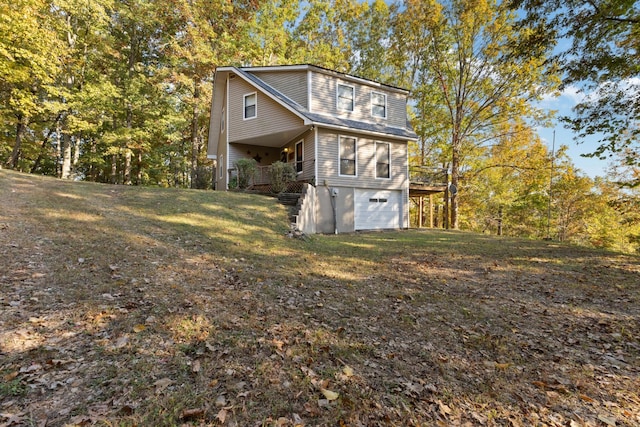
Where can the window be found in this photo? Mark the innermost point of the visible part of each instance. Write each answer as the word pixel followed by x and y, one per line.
pixel 222 121
pixel 382 160
pixel 299 156
pixel 221 166
pixel 347 156
pixel 379 105
pixel 250 102
pixel 345 97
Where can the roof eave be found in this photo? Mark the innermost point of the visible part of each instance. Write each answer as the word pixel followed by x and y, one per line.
pixel 366 132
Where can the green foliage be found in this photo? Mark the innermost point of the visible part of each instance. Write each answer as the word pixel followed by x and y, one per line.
pixel 281 174
pixel 246 169
pixel 470 79
pixel 603 57
pixel 12 388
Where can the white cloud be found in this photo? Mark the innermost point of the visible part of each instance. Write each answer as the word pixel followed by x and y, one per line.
pixel 573 94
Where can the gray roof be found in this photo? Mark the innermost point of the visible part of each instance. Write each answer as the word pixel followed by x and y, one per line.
pixel 327 120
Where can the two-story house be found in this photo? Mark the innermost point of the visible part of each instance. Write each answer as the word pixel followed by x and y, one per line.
pixel 346 136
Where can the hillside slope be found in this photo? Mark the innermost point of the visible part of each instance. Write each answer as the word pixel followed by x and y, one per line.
pixel 140 306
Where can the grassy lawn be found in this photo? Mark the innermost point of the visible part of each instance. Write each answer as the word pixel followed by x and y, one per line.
pixel 123 306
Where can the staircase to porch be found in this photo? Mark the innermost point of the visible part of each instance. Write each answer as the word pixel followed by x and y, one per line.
pixel 292 201
pixel 301 210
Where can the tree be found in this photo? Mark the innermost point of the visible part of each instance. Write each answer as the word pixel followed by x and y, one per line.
pixel 508 185
pixel 603 59
pixel 468 58
pixel 30 61
pixel 321 36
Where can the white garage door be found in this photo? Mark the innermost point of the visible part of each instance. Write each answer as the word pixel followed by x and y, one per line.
pixel 375 209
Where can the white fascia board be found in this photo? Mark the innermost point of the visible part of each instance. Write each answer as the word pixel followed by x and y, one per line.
pixel 277 68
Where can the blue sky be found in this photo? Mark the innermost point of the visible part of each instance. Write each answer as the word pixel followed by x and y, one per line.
pixel 563 104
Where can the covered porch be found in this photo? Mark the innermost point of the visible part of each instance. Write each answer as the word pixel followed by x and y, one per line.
pixel 298 153
pixel 261 181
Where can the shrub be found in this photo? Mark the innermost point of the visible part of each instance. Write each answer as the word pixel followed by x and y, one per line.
pixel 281 174
pixel 247 169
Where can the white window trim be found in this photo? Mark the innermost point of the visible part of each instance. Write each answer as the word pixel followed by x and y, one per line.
pixel 353 98
pixel 355 140
pixel 385 105
pixel 295 155
pixel 244 106
pixel 376 160
pixel 223 120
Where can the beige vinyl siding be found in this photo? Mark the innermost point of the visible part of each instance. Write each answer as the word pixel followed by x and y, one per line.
pixel 219 101
pixel 271 117
pixel 396 110
pixel 292 84
pixel 309 154
pixel 324 88
pixel 366 162
pixel 217 143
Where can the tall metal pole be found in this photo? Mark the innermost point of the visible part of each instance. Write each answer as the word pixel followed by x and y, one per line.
pixel 553 150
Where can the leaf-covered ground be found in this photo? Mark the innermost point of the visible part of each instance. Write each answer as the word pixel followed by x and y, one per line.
pixel 136 306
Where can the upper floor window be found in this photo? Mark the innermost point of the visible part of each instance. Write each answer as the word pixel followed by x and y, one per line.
pixel 348 148
pixel 345 97
pixel 222 120
pixel 379 105
pixel 250 104
pixel 383 160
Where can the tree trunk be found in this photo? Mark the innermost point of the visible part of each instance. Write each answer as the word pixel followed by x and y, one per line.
pixel 43 146
pixel 114 168
pixel 21 126
pixel 195 149
pixel 65 173
pixel 76 154
pixel 455 172
pixel 127 167
pixel 139 168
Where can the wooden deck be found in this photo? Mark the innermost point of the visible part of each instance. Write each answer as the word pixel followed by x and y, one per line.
pixel 426 181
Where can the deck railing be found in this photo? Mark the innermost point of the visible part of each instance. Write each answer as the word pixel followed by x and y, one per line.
pixel 431 176
pixel 261 181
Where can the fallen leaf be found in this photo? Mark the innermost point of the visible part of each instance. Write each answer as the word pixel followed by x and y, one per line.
pixel 329 395
pixel 139 328
pixel 607 420
pixel 348 371
pixel 586 398
pixel 190 414
pixel 221 401
pixel 122 341
pixel 539 384
pixel 10 376
pixel 195 367
pixel 444 409
pixel 222 415
pixel 162 384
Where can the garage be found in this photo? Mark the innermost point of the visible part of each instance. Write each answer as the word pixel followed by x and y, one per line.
pixel 377 209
